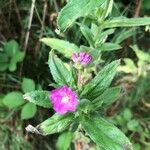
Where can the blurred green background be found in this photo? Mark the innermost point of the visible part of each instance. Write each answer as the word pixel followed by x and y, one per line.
pixel 23 68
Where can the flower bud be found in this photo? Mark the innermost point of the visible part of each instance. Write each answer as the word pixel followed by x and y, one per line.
pixel 82 58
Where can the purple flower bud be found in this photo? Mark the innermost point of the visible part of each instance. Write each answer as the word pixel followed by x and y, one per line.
pixel 83 58
pixel 74 57
pixel 64 100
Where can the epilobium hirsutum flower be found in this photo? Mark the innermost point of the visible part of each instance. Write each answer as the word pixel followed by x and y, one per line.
pixel 83 58
pixel 64 100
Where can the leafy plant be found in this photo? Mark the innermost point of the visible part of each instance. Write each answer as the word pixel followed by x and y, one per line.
pixel 82 85
pixel 141 68
pixel 10 56
pixel 136 76
pixel 14 100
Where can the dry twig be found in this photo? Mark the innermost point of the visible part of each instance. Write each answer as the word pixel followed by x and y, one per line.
pixel 42 24
pixel 17 13
pixel 29 24
pixel 56 6
pixel 28 32
pixel 138 8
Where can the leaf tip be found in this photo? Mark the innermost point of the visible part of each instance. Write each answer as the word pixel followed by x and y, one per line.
pixel 42 40
pixel 26 97
pixel 32 129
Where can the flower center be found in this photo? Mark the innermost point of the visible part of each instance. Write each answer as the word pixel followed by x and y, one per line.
pixel 65 99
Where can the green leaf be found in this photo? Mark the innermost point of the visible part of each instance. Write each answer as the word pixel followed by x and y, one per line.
pixel 1 101
pixel 101 81
pixel 108 7
pixel 143 56
pixel 57 123
pixel 59 72
pixel 94 29
pixel 13 99
pixel 101 37
pixel 64 141
pixel 87 34
pixel 28 111
pixel 74 77
pixel 12 66
pixel 40 98
pixel 4 58
pixel 127 114
pixel 109 96
pixel 124 35
pixel 126 22
pixel 105 134
pixel 18 57
pixel 62 46
pixel 109 47
pixel 84 105
pixel 76 9
pixel 120 120
pixel 11 48
pixel 3 66
pixel 137 146
pixel 28 85
pixel 129 66
pixel 133 125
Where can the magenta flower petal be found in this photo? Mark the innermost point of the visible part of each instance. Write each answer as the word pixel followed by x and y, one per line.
pixel 74 57
pixel 83 58
pixel 64 100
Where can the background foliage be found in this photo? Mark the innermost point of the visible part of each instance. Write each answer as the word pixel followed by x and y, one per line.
pixel 23 68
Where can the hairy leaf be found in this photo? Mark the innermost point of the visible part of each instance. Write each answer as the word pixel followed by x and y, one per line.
pixel 101 81
pixel 101 37
pixel 87 34
pixel 126 33
pixel 105 134
pixel 109 47
pixel 108 97
pixel 76 9
pixel 59 71
pixel 57 123
pixel 126 22
pixel 40 98
pixel 109 6
pixel 62 46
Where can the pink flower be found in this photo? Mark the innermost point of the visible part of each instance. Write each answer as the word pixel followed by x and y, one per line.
pixel 74 57
pixel 64 100
pixel 83 58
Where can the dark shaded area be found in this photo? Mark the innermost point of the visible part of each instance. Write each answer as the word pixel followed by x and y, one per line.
pixel 14 15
